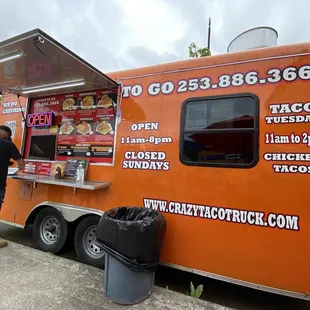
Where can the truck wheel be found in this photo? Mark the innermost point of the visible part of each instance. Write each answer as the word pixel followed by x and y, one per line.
pixel 50 230
pixel 87 251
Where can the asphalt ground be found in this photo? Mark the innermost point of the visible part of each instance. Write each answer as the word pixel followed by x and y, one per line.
pixel 31 280
pixel 217 292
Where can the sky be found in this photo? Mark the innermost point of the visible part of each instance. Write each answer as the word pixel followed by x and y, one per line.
pixel 122 34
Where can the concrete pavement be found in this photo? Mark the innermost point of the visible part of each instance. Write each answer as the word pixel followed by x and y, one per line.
pixel 31 279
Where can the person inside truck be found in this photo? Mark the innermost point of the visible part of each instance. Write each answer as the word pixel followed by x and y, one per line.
pixel 8 150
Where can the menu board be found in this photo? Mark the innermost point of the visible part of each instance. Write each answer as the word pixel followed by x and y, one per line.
pixel 43 168
pixel 30 167
pixel 37 168
pixel 84 124
pixel 72 166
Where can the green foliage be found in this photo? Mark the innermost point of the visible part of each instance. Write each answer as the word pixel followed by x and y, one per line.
pixel 195 52
pixel 195 292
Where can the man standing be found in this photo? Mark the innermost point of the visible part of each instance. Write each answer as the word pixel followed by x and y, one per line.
pixel 8 150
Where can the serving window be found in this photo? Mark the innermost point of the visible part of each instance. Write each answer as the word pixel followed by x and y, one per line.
pixel 220 131
pixel 72 125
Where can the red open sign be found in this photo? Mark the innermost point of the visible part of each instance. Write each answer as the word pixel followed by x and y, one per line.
pixel 40 119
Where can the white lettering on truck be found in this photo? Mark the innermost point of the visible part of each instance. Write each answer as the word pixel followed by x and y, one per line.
pixel 146 161
pixel 249 217
pixel 226 80
pixel 144 126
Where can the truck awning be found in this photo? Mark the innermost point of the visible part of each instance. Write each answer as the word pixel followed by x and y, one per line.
pixel 34 64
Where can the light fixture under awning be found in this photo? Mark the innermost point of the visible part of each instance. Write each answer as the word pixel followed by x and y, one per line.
pixel 43 88
pixel 34 65
pixel 11 56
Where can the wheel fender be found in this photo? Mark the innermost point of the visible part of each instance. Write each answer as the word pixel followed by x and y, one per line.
pixel 70 212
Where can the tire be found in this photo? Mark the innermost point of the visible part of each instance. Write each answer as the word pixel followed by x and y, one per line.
pixel 87 252
pixel 50 230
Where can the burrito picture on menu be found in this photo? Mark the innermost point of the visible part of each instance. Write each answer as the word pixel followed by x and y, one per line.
pixel 87 102
pixel 66 128
pixel 68 104
pixel 83 128
pixel 104 127
pixel 105 102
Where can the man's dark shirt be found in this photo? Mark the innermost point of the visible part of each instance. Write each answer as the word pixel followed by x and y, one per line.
pixel 8 150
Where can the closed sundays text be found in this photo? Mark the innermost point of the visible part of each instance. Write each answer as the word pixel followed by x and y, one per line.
pixel 255 218
pixel 146 161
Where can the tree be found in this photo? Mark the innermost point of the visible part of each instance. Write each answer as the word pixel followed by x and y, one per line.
pixel 195 52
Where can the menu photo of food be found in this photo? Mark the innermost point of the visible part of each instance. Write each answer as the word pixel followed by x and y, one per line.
pixel 104 127
pixel 104 101
pixel 68 104
pixel 84 128
pixel 87 103
pixel 66 128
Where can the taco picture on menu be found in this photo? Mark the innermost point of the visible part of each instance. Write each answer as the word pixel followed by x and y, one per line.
pixel 105 102
pixel 87 102
pixel 103 127
pixel 68 104
pixel 83 128
pixel 66 128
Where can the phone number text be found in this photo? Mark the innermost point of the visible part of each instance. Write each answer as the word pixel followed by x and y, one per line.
pixel 274 75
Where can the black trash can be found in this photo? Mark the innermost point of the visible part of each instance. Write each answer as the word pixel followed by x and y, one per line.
pixel 132 238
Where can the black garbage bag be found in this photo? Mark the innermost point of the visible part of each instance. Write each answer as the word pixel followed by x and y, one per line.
pixel 132 235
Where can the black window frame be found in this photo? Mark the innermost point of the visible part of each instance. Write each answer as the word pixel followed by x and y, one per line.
pixel 255 130
pixel 44 158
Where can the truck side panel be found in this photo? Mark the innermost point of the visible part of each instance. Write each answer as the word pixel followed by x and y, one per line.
pixel 265 255
pixel 259 254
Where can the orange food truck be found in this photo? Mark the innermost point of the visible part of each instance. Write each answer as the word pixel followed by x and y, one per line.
pixel 219 145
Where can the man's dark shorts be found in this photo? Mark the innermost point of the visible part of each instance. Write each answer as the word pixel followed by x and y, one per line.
pixel 2 194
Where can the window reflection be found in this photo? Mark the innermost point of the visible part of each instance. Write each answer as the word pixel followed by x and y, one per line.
pixel 228 113
pixel 219 148
pixel 220 131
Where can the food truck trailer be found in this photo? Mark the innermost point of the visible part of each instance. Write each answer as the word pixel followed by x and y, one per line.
pixel 219 145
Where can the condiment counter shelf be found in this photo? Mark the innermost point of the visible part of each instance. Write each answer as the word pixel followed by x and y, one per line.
pixel 88 185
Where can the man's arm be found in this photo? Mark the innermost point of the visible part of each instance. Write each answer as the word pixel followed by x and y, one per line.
pixel 21 163
pixel 17 156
